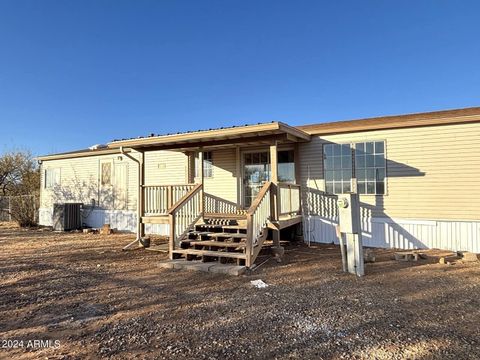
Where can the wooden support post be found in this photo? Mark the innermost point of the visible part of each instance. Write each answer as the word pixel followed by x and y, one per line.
pixel 190 167
pixel 200 166
pixel 201 175
pixel 276 237
pixel 274 179
pixel 171 241
pixel 238 174
pixel 141 197
pixel 249 245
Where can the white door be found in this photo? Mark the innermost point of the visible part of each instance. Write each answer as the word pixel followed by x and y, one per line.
pixel 256 171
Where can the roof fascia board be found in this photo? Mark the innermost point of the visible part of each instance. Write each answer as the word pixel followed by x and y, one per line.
pixel 192 136
pixel 80 154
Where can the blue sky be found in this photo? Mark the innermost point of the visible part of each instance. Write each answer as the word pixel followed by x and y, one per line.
pixel 76 73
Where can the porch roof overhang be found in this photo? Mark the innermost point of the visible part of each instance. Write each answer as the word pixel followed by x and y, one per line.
pixel 259 134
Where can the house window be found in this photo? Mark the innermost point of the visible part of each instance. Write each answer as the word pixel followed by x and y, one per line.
pixel 370 167
pixel 286 166
pixel 106 175
pixel 52 178
pixel 207 165
pixel 337 160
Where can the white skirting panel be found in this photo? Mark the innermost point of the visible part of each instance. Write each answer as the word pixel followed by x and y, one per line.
pixel 122 220
pixel 403 233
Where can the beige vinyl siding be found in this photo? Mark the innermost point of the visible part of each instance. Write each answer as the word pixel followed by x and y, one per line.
pixel 432 172
pixel 165 167
pixel 79 181
pixel 223 183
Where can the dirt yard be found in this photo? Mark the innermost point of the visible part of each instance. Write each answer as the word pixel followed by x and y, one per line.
pixel 91 300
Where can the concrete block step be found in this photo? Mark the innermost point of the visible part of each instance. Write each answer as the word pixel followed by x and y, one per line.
pixel 227 269
pixel 210 253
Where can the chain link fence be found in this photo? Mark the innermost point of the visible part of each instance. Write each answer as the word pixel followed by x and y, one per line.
pixel 22 209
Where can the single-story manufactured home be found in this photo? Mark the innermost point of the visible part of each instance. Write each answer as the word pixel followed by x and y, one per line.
pixel 416 176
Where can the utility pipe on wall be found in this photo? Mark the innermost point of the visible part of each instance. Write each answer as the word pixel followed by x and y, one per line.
pixel 140 225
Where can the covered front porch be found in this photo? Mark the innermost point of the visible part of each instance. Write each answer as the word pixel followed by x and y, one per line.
pixel 239 183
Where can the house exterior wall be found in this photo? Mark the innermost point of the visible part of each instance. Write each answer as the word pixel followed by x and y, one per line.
pixel 165 168
pixel 80 182
pixel 431 198
pixel 221 188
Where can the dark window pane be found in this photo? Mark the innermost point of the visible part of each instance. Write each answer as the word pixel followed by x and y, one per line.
pixel 369 161
pixel 346 187
pixel 346 175
pixel 369 147
pixel 370 174
pixel 360 161
pixel 370 187
pixel 337 175
pixel 379 161
pixel 329 175
pixel 360 148
pixel 338 187
pixel 328 149
pixel 380 187
pixel 346 149
pixel 264 158
pixel 337 162
pixel 285 156
pixel 346 162
pixel 361 187
pixel 379 147
pixel 256 158
pixel 337 150
pixel 329 163
pixel 380 174
pixel 329 187
pixel 360 174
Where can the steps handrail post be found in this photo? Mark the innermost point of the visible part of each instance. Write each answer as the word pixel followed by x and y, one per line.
pixel 249 244
pixel 171 243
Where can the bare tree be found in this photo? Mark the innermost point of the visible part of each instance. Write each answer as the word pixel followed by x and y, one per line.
pixel 20 179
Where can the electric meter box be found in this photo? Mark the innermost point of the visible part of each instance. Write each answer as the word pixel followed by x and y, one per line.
pixel 349 213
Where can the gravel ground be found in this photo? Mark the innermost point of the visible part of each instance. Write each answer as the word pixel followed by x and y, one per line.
pixel 100 302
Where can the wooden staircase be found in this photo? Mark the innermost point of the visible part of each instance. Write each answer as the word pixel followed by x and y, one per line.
pixel 222 239
pixel 236 237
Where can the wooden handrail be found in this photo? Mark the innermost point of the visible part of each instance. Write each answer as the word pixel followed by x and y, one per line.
pixel 167 185
pixel 185 198
pixel 251 210
pixel 183 215
pixel 286 185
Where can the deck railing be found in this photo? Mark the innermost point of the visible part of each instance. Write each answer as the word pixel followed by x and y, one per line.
pixel 289 199
pixel 184 214
pixel 258 216
pixel 216 205
pixel 159 198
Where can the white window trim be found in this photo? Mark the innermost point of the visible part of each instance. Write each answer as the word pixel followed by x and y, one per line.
pixel 196 166
pixel 45 177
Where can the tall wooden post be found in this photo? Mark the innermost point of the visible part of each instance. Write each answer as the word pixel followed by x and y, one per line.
pixel 190 173
pixel 275 192
pixel 140 200
pixel 238 173
pixel 201 176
